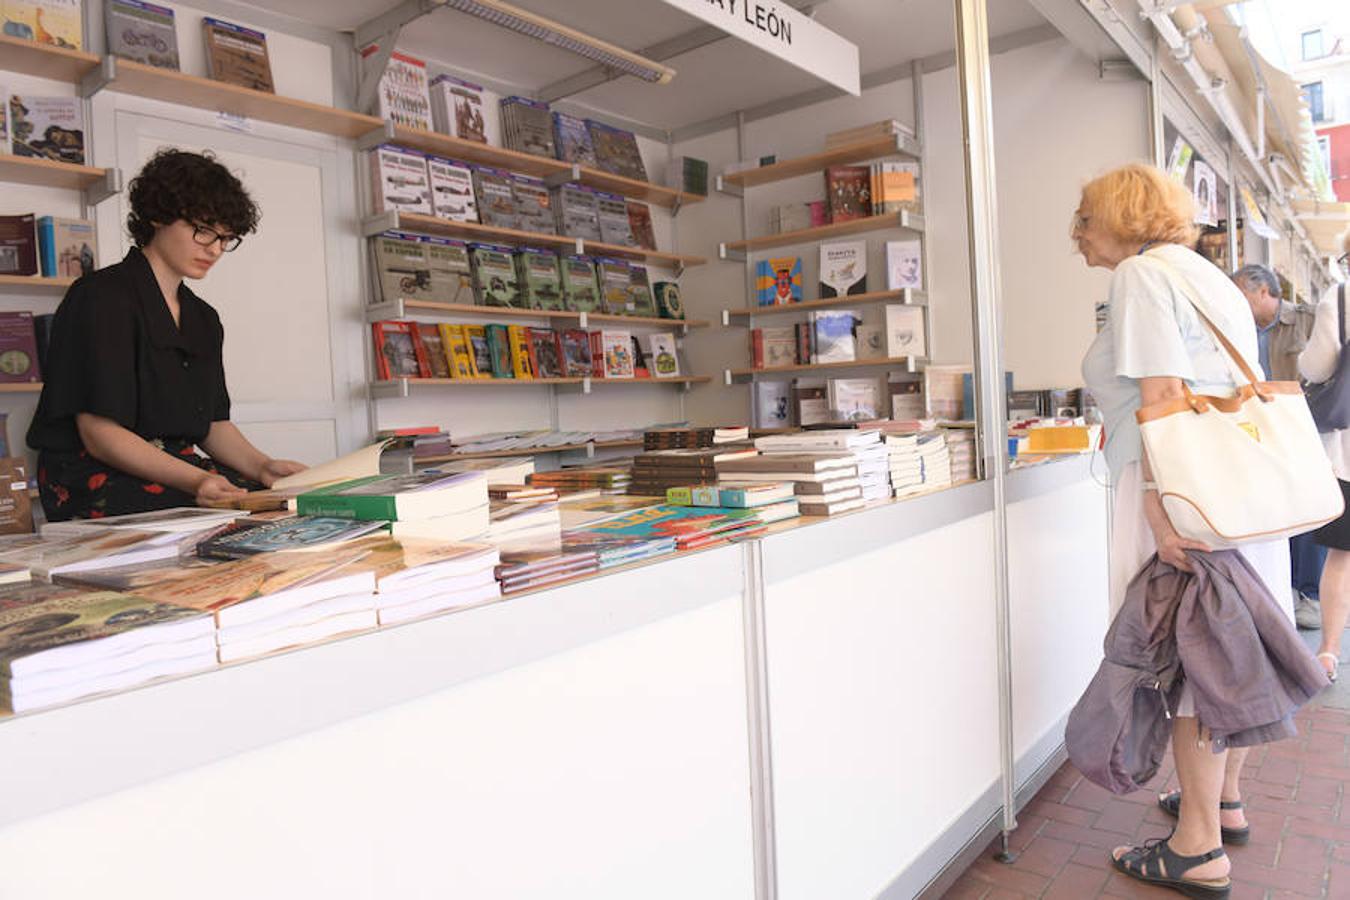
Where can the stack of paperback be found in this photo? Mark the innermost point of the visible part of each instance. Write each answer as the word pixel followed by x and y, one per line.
pixel 49 555
pixel 614 549
pixel 431 506
pixel 497 471
pixel 919 462
pixel 771 501
pixel 260 603
pixel 825 483
pixel 688 527
pixel 523 568
pixel 961 446
pixel 655 471
pixel 60 644
pixel 518 524
pixel 610 479
pixel 863 444
pixel 416 578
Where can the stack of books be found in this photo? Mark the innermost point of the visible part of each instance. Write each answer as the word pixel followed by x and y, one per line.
pixel 863 444
pixel 861 133
pixel 919 462
pixel 961 448
pixel 608 479
pixel 825 483
pixel 679 438
pixel 416 578
pixel 528 567
pixel 515 524
pixel 59 644
pixel 432 506
pixel 655 471
pixel 771 501
pixel 686 527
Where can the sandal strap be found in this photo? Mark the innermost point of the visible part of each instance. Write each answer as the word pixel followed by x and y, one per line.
pixel 1156 859
pixel 1230 804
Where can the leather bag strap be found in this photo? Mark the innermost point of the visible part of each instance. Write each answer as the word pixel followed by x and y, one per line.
pixel 1188 291
pixel 1340 309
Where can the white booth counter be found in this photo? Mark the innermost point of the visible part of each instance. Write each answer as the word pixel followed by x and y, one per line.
pixel 815 711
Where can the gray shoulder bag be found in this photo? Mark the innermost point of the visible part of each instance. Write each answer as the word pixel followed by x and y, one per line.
pixel 1329 401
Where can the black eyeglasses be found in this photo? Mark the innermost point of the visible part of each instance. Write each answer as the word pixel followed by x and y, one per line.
pixel 208 236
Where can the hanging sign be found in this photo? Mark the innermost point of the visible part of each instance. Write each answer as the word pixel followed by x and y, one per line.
pixel 777 28
pixel 1254 217
pixel 1206 191
pixel 1179 159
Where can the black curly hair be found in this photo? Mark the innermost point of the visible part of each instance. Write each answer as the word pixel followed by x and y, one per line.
pixel 176 184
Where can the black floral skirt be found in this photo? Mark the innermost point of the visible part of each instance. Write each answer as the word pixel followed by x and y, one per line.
pixel 75 485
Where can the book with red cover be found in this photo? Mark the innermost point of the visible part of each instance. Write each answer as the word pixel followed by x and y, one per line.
pixel 433 350
pixel 575 345
pixel 640 221
pixel 847 193
pixel 18 349
pixel 398 353
pixel 546 359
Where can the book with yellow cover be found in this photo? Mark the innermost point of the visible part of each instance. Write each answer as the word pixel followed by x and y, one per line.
pixel 480 351
pixel 519 337
pixel 457 351
pixel 54 22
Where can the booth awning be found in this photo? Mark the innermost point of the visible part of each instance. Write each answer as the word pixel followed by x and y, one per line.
pixel 1325 222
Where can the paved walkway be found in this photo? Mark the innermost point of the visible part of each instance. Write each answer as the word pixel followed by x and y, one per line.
pixel 1297 806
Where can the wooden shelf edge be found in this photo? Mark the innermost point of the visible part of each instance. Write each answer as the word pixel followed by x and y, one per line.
pixel 872 148
pixel 434 308
pixel 525 451
pixel 905 296
pixel 906 220
pixel 48 172
pixel 36 281
pixel 527 382
pixel 810 367
pixel 21 387
pixel 44 60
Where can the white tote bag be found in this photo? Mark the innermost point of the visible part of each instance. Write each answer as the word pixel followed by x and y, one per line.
pixel 1232 470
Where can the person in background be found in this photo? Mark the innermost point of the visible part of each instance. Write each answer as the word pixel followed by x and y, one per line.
pixel 1317 363
pixel 1282 331
pixel 1138 223
pixel 134 380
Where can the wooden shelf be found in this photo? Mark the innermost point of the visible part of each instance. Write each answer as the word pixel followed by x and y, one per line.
pixel 128 77
pixel 812 367
pixel 399 309
pixel 400 387
pixel 44 60
pixel 888 145
pixel 49 172
pixel 904 219
pixel 908 297
pixel 35 283
pixel 21 387
pixel 526 164
pixel 527 451
pixel 473 231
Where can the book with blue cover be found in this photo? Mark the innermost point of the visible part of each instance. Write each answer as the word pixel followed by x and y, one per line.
pixel 572 140
pixel 778 281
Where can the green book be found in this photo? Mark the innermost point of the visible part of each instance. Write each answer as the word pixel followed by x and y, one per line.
pixel 397 498
pixel 499 345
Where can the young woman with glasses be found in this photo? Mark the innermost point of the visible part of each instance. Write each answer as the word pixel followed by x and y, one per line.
pixel 134 383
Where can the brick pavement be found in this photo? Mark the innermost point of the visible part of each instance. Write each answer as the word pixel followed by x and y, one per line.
pixel 1296 803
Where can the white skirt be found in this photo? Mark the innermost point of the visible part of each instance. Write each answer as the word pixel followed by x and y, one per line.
pixel 1132 545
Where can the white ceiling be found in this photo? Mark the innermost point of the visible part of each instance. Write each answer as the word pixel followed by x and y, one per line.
pixel 718 78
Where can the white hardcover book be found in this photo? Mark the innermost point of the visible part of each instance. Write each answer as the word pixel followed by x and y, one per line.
pixel 843 268
pixel 904 332
pixel 773 404
pixel 664 362
pixel 399 181
pixel 904 265
pixel 452 194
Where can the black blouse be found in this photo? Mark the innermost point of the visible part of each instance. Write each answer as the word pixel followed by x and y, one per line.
pixel 116 352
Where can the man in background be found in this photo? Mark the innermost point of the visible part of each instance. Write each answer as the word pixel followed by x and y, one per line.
pixel 1282 330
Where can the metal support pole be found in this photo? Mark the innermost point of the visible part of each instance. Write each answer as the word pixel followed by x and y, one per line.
pixel 757 710
pixel 977 126
pixel 916 86
pixel 1156 128
pixel 1233 265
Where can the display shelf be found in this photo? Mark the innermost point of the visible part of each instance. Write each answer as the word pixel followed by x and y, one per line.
pixel 35 283
pixel 129 77
pixel 49 173
pixel 401 387
pixel 554 170
pixel 44 60
pixel 904 219
pixel 472 231
pixel 588 446
pixel 22 387
pixel 398 309
pixel 888 145
pixel 909 362
pixel 907 296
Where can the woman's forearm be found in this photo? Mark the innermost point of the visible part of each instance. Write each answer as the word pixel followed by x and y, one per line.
pixel 115 446
pixel 226 444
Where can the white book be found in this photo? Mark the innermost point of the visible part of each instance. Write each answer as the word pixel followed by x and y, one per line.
pixel 452 195
pixel 399 181
pixel 283 601
pixel 664 361
pixel 823 439
pixel 458 526
pixel 97 670
pixel 303 615
pixel 434 586
pixel 904 265
pixel 393 615
pixel 773 404
pixel 904 332
pixel 333 626
pixel 179 519
pixel 21 700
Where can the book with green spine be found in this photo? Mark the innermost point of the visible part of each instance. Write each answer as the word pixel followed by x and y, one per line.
pixel 397 498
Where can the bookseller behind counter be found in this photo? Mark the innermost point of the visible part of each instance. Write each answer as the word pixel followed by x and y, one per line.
pixel 134 381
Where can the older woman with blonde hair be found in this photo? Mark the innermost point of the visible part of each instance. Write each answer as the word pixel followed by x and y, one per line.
pixel 1137 222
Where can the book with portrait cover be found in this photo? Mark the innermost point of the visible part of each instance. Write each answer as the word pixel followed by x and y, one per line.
pixel 142 31
pixel 617 150
pixel 18 245
pixel 847 193
pixel 843 268
pixel 572 140
pixel 237 55
pixel 397 351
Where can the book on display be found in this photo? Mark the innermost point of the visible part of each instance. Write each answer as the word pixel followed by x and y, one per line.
pixel 56 23
pixel 612 212
pixel 614 279
pixel 575 346
pixel 142 31
pixel 576 211
pixel 496 197
pixel 451 186
pixel 396 498
pixel 540 279
pixel 18 245
pixel 68 247
pixel 399 180
pixel 834 338
pixel 640 224
pixel 545 354
pixel 499 346
pixel 617 354
pixel 773 404
pixel 617 150
pixel 295 533
pixel 778 281
pixel 433 349
pixel 843 268
pixel 904 332
pixel 904 265
pixel 237 55
pixel 397 352
pixel 404 98
pixel 573 140
pixel 527 126
pixel 47 127
pixel 665 362
pixel 581 290
pixel 847 192
pixel 640 301
pixel 494 276
pixel 18 349
pixel 533 206
pixel 457 108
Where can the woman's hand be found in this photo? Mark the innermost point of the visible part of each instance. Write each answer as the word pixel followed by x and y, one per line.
pixel 216 489
pixel 274 469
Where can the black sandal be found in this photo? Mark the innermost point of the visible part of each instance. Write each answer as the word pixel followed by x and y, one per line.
pixel 1171 804
pixel 1156 863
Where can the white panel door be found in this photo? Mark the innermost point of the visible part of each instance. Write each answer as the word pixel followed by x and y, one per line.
pixel 281 294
